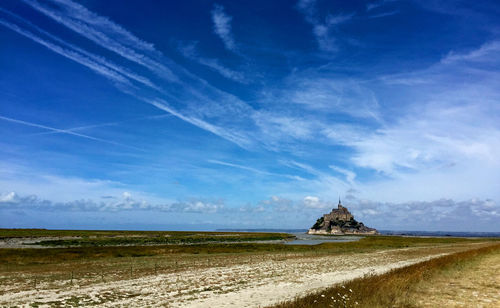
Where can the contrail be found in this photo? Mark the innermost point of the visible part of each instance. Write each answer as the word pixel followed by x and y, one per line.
pixel 63 131
pixel 73 129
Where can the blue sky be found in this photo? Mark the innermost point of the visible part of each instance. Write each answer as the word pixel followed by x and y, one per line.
pixel 223 114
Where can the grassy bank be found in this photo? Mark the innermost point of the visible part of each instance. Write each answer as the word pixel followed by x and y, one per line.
pixel 393 289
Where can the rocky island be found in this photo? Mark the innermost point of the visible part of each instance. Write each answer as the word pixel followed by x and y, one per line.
pixel 340 221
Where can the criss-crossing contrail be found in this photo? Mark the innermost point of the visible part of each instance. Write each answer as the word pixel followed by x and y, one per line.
pixel 64 131
pixel 79 128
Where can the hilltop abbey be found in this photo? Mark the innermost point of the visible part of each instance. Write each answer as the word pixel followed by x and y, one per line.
pixel 340 221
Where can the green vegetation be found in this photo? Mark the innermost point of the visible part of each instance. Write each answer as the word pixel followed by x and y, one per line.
pixel 393 289
pixel 318 223
pixel 97 234
pixel 176 239
pixel 68 238
pixel 352 223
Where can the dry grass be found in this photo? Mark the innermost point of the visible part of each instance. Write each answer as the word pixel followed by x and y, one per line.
pixel 470 283
pixel 393 289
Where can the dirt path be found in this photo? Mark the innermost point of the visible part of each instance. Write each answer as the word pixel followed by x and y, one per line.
pixel 258 283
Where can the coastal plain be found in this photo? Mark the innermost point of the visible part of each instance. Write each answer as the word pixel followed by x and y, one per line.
pixel 195 269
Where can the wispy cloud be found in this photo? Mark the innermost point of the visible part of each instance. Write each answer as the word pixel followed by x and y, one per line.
pixel 78 11
pixel 350 176
pixel 254 170
pixel 376 4
pixel 235 137
pixel 76 17
pixel 190 51
pixel 222 26
pixel 70 54
pixel 323 27
pixel 486 53
pixel 103 32
pixel 323 183
pixel 297 165
pixel 279 127
pixel 327 94
pixel 385 14
pixel 83 53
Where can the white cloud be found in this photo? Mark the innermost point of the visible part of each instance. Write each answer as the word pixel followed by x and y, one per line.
pixel 435 153
pixel 443 136
pixel 222 26
pixel 312 202
pixel 196 206
pixel 9 197
pixel 437 215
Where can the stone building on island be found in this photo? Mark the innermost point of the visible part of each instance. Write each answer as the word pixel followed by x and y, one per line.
pixel 340 221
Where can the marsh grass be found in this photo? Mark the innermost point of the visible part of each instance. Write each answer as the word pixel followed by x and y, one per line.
pixel 88 238
pixel 393 289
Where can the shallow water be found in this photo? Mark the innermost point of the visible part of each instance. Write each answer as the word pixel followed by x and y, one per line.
pixel 309 239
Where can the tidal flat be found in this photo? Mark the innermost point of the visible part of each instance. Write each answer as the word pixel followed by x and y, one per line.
pixel 128 269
